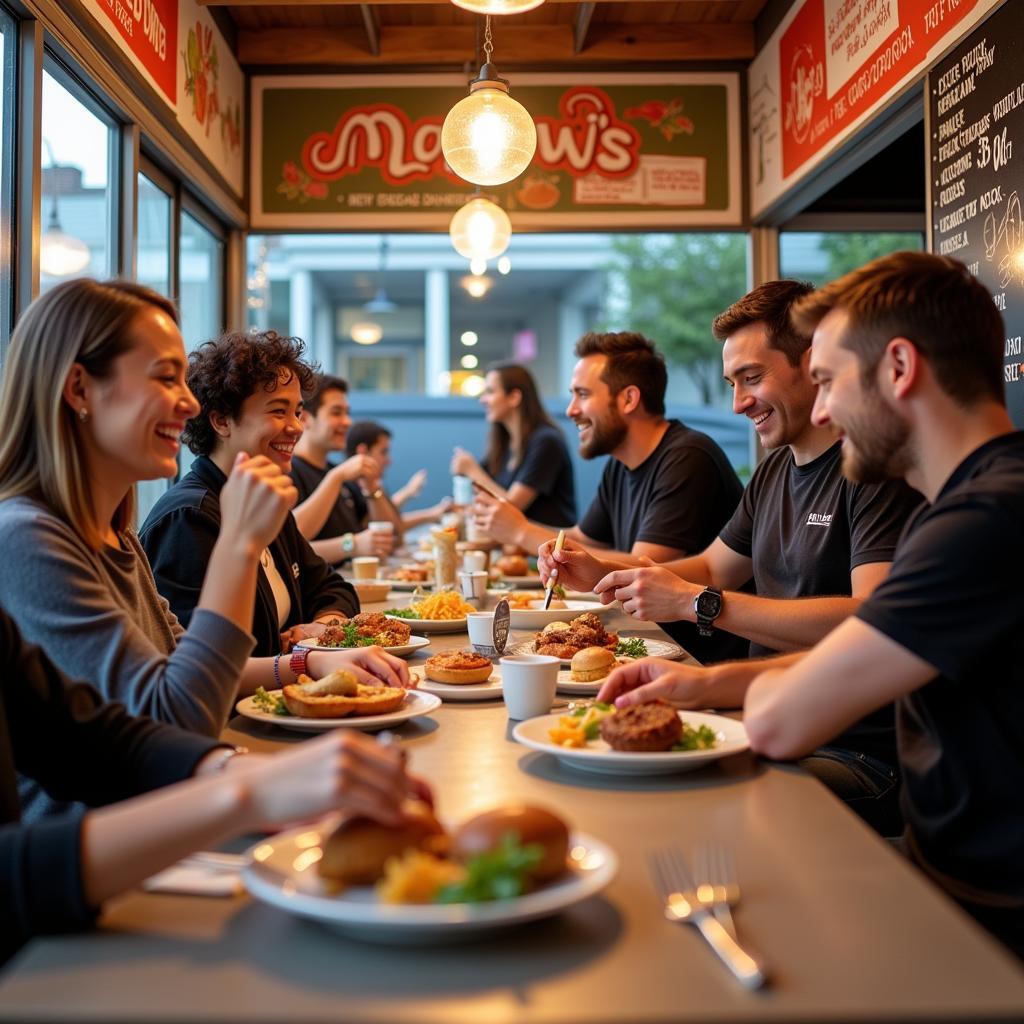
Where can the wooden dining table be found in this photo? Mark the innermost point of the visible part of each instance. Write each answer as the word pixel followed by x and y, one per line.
pixel 850 930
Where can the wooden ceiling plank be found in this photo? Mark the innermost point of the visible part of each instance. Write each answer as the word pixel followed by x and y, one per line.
pixel 581 26
pixel 411 47
pixel 371 27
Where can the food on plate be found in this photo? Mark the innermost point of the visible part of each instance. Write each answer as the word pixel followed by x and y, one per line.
pixel 445 605
pixel 355 853
pixel 579 727
pixel 445 558
pixel 554 627
pixel 413 573
pixel 523 600
pixel 630 648
pixel 651 726
pixel 530 825
pixel 339 694
pixel 459 667
pixel 591 664
pixel 364 630
pixel 585 630
pixel 513 565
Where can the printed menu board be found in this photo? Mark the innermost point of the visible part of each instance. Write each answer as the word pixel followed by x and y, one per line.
pixel 976 171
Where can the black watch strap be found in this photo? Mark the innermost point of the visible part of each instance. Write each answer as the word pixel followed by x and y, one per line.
pixel 708 606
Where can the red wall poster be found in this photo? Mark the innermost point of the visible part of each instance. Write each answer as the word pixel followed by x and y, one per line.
pixel 149 28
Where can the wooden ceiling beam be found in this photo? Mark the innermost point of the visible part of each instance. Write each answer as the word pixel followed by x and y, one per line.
pixel 581 25
pixel 418 46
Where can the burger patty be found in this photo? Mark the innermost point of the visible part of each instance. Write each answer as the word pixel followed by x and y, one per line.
pixel 651 727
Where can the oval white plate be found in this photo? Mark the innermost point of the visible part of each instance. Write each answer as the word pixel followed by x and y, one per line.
pixel 415 643
pixel 416 704
pixel 538 618
pixel 525 582
pixel 655 648
pixel 491 690
pixel 597 756
pixel 566 684
pixel 434 625
pixel 282 872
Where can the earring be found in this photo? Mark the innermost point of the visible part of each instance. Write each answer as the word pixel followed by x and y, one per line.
pixel 83 414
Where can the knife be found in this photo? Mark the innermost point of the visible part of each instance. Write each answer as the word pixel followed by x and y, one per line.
pixel 549 586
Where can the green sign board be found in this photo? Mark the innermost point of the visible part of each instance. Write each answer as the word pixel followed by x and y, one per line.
pixel 622 151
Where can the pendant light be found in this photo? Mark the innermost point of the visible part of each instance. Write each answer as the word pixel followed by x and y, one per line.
pixel 488 138
pixel 60 254
pixel 369 332
pixel 498 7
pixel 480 230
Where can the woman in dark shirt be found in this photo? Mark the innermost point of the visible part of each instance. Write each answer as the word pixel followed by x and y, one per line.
pixel 527 461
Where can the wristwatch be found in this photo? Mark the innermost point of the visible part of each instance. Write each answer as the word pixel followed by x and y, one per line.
pixel 348 543
pixel 297 662
pixel 374 495
pixel 708 606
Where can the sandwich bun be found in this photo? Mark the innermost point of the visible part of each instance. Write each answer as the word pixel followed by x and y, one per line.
pixel 555 627
pixel 591 664
pixel 355 853
pixel 339 694
pixel 458 667
pixel 513 565
pixel 485 832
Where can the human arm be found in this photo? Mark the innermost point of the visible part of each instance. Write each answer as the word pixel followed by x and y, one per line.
pixel 426 515
pixel 412 488
pixel 312 513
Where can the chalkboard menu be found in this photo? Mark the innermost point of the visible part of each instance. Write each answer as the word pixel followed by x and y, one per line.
pixel 976 163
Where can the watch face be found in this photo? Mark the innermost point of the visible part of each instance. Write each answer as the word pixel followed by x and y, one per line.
pixel 709 604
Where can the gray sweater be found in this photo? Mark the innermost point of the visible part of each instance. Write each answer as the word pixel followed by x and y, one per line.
pixel 100 619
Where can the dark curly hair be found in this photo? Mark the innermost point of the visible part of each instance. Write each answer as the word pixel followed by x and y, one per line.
pixel 224 373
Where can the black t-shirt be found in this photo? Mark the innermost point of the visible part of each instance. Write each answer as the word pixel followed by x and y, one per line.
pixel 805 528
pixel 547 468
pixel 953 598
pixel 350 511
pixel 680 496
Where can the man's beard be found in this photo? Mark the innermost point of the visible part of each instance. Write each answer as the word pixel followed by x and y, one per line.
pixel 605 435
pixel 877 447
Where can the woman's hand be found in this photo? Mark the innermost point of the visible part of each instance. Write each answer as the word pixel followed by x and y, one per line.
pixel 638 682
pixel 255 501
pixel 463 464
pixel 370 665
pixel 414 485
pixel 577 568
pixel 651 592
pixel 342 770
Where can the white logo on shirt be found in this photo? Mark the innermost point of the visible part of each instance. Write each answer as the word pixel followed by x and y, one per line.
pixel 817 519
pixel 295 570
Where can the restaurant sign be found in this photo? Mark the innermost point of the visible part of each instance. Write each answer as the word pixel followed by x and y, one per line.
pixel 828 68
pixel 619 151
pixel 176 46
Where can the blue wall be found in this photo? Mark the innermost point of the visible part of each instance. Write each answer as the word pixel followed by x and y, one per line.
pixel 425 430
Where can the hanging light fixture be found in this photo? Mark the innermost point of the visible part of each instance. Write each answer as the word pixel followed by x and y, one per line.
pixel 366 332
pixel 498 7
pixel 488 138
pixel 60 254
pixel 476 286
pixel 369 332
pixel 480 230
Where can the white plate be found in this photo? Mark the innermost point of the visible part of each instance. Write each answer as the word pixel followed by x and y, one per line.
pixel 491 690
pixel 655 648
pixel 566 684
pixel 416 704
pixel 538 618
pixel 597 756
pixel 525 582
pixel 434 625
pixel 401 650
pixel 282 872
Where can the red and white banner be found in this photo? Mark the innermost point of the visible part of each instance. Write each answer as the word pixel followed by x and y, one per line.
pixel 830 66
pixel 148 31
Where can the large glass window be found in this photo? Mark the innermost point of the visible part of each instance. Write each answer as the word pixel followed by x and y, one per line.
pixel 822 256
pixel 7 51
pixel 78 157
pixel 201 281
pixel 153 255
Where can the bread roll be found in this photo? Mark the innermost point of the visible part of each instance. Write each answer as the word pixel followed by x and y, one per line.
pixel 484 832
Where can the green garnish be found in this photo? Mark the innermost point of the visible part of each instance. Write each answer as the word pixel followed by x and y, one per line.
pixel 558 591
pixel 351 637
pixel 498 875
pixel 702 738
pixel 269 705
pixel 403 613
pixel 631 647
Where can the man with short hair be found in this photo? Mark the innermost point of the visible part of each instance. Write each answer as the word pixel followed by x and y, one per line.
pixel 336 502
pixel 665 491
pixel 815 545
pixel 908 356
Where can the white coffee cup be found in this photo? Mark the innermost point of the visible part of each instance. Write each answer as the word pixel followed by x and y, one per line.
pixel 528 683
pixel 381 526
pixel 480 626
pixel 365 567
pixel 474 561
pixel 473 585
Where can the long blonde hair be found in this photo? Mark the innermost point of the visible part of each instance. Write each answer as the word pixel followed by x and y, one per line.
pixel 42 455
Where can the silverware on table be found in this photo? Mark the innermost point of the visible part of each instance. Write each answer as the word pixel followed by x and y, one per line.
pixel 717 888
pixel 672 877
pixel 549 587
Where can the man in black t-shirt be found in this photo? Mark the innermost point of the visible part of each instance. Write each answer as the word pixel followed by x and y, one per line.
pixel 908 356
pixel 801 531
pixel 666 490
pixel 336 502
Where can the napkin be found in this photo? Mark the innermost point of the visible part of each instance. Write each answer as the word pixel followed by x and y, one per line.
pixel 202 874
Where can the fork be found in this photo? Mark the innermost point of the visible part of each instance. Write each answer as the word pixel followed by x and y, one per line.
pixel 672 877
pixel 719 891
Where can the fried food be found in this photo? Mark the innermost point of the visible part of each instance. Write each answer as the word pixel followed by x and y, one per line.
pixel 653 726
pixel 585 630
pixel 458 667
pixel 333 697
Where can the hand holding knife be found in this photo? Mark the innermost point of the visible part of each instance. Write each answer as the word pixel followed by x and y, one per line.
pixel 553 577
